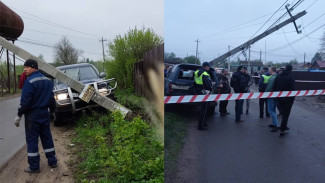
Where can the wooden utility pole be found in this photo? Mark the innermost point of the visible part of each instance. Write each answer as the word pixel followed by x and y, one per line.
pixel 249 60
pixel 102 40
pixel 197 48
pixel 228 59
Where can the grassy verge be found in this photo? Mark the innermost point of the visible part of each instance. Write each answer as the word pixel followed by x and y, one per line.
pixel 111 149
pixel 175 132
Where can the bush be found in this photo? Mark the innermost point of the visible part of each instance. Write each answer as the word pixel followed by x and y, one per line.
pixel 115 150
pixel 128 49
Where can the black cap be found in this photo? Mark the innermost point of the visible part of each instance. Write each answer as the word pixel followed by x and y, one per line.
pixel 206 64
pixel 244 67
pixel 31 63
pixel 265 68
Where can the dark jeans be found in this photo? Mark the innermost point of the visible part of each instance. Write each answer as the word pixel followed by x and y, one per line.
pixel 286 106
pixel 223 106
pixel 239 109
pixel 204 106
pixel 263 101
pixel 279 109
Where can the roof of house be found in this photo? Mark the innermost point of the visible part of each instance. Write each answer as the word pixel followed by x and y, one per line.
pixel 321 64
pixel 252 63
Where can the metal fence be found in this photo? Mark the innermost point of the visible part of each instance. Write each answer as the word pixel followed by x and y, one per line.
pixel 309 80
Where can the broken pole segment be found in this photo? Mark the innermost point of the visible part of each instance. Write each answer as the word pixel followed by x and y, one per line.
pixel 69 81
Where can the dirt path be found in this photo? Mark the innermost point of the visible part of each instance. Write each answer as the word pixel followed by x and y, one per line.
pixel 13 170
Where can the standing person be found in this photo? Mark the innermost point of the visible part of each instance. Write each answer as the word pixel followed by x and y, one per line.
pixel 279 107
pixel 36 100
pixel 285 82
pixel 256 78
pixel 203 86
pixel 239 83
pixel 249 82
pixel 261 88
pixel 224 89
pixel 272 102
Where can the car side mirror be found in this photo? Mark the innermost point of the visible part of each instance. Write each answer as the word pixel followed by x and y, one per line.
pixel 102 75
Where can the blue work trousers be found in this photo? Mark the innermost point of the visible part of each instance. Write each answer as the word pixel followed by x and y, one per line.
pixel 271 107
pixel 37 125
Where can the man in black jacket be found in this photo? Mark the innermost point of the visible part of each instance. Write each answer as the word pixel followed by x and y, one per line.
pixel 224 89
pixel 239 83
pixel 285 82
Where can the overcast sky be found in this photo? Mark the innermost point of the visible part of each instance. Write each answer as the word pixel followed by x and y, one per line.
pixel 211 22
pixel 95 19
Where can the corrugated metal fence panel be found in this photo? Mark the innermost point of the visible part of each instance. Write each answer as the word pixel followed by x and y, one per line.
pixel 309 76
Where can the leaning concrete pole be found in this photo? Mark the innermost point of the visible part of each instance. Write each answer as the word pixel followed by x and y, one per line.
pixel 76 85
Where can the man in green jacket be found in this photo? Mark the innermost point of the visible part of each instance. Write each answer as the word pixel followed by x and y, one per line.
pixel 272 102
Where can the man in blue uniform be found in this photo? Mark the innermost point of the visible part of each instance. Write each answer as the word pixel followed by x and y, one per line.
pixel 36 100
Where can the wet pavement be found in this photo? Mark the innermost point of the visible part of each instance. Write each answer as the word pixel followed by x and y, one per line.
pixel 12 138
pixel 249 152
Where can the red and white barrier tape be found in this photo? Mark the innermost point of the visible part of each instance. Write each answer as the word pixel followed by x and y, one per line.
pixel 238 96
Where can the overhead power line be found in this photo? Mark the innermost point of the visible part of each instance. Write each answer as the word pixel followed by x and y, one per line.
pixel 269 18
pixel 297 40
pixel 57 25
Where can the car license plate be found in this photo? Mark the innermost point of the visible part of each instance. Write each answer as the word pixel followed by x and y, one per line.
pixel 180 87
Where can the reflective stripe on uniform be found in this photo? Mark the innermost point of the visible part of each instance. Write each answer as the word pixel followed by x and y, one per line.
pixel 38 79
pixel 32 154
pixel 49 150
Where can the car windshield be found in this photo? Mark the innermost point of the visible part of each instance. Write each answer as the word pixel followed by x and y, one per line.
pixel 80 73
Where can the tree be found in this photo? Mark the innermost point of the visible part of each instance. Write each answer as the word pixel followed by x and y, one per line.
pixel 293 61
pixel 126 50
pixel 65 53
pixel 192 60
pixel 316 57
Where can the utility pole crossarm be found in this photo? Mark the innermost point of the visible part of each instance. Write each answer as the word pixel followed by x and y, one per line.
pixel 257 38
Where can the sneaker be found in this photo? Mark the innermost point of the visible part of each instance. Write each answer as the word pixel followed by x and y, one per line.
pixel 261 116
pixel 239 121
pixel 275 129
pixel 223 114
pixel 54 166
pixel 202 128
pixel 282 134
pixel 272 126
pixel 28 170
pixel 268 116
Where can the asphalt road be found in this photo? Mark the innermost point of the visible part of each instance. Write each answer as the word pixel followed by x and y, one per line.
pixel 249 152
pixel 12 138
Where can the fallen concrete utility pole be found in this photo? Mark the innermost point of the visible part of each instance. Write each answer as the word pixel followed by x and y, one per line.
pixel 247 44
pixel 69 81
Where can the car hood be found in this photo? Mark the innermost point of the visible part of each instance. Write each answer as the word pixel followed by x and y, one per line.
pixel 64 86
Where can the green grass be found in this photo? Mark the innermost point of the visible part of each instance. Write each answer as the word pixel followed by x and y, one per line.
pixel 111 149
pixel 175 132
